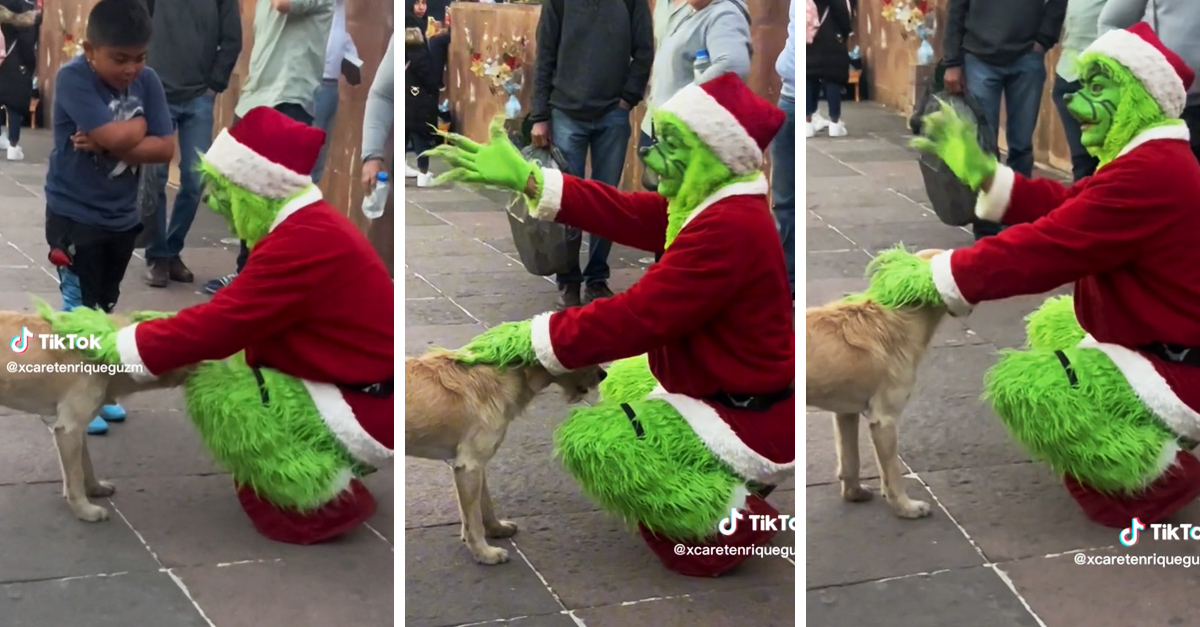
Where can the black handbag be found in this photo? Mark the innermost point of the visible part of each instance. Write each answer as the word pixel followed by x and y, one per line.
pixel 544 247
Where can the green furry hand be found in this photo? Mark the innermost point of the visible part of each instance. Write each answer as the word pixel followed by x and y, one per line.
pixel 143 316
pixel 84 322
pixel 953 140
pixel 901 279
pixel 508 344
pixel 497 163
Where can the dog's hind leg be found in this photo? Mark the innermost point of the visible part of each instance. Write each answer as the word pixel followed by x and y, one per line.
pixel 74 413
pixel 845 435
pixel 883 418
pixel 493 527
pixel 468 481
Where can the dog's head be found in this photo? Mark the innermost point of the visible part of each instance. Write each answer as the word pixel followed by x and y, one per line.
pixel 576 384
pixel 928 253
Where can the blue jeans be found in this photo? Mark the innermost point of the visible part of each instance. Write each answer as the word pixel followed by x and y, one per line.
pixel 833 96
pixel 1020 83
pixel 607 138
pixel 783 186
pixel 325 109
pixel 1083 164
pixel 194 122
pixel 14 120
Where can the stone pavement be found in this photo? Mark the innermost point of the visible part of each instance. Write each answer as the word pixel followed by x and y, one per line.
pixel 1002 546
pixel 570 564
pixel 178 550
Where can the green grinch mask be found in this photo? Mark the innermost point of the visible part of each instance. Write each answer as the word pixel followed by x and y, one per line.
pixel 249 216
pixel 1113 105
pixel 1095 105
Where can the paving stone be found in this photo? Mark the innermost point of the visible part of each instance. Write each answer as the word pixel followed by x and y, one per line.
pixel 851 264
pixel 827 239
pixel 842 195
pixel 427 247
pixel 23 301
pixel 124 600
pixel 150 443
pixel 824 166
pixel 193 521
pixel 415 216
pixel 1003 322
pixel 493 310
pixel 862 216
pixel 418 339
pixel 418 289
pixel 878 151
pixel 766 606
pixel 43 540
pixel 854 542
pixel 591 559
pixel 382 485
pixel 28 452
pixel 487 226
pixel 316 589
pixel 444 586
pixel 512 283
pixel 974 596
pixel 820 462
pixel 889 172
pixel 914 236
pixel 940 431
pixel 486 260
pixel 434 312
pixel 1016 511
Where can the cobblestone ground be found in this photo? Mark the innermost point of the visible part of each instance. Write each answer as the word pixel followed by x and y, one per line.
pixel 178 550
pixel 1005 545
pixel 571 564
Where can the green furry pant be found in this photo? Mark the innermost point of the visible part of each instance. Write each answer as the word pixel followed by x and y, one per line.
pixel 1094 428
pixel 665 478
pixel 281 448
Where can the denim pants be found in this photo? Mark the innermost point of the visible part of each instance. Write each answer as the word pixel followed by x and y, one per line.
pixel 833 96
pixel 1020 84
pixel 607 139
pixel 194 122
pixel 1083 164
pixel 783 186
pixel 14 118
pixel 325 107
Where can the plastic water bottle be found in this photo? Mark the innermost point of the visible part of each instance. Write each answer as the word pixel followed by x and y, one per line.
pixel 375 203
pixel 700 64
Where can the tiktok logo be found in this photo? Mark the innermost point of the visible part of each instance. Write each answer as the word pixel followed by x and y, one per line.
pixel 729 525
pixel 20 343
pixel 1129 536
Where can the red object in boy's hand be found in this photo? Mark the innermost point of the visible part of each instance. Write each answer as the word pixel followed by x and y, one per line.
pixel 59 257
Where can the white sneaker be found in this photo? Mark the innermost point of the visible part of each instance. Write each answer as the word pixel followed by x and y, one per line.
pixel 4 140
pixel 837 129
pixel 15 153
pixel 410 172
pixel 819 123
pixel 425 179
pixel 809 129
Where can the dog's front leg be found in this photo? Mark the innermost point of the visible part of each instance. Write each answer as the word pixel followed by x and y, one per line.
pixel 68 437
pixel 468 481
pixel 845 435
pixel 494 527
pixel 885 438
pixel 94 487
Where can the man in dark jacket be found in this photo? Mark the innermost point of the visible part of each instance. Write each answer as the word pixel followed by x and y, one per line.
pixel 195 45
pixel 16 75
pixel 593 65
pixel 995 49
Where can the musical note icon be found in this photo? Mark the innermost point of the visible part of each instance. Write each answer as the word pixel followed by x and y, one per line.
pixel 20 343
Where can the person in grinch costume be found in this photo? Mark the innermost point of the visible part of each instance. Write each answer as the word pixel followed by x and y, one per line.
pixel 299 405
pixel 703 414
pixel 1108 390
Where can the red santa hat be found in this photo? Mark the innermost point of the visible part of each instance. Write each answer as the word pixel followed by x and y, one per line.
pixel 736 123
pixel 267 153
pixel 1162 72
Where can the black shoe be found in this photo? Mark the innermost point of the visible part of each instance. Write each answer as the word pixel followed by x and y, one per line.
pixel 157 272
pixel 568 296
pixel 179 272
pixel 595 291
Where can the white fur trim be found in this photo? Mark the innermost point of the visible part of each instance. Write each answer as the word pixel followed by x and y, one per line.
pixel 252 171
pixel 992 206
pixel 1150 387
pixel 550 201
pixel 1166 460
pixel 943 278
pixel 717 128
pixel 1172 131
pixel 757 187
pixel 1148 65
pixel 127 348
pixel 543 347
pixel 340 420
pixel 719 437
pixel 304 199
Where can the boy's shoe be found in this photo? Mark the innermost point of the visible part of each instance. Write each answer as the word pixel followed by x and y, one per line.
pixel 98 426
pixel 837 129
pixel 15 153
pixel 424 179
pixel 215 285
pixel 112 413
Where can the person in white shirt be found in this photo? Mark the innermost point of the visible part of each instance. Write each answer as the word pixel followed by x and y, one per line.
pixel 341 59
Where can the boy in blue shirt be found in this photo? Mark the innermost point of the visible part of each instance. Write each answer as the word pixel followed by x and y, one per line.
pixel 110 118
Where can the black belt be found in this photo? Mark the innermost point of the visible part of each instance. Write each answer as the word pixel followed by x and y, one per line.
pixel 752 402
pixel 1173 353
pixel 379 389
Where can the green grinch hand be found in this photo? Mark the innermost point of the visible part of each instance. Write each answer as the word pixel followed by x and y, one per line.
pixel 952 139
pixel 85 322
pixel 142 316
pixel 507 344
pixel 497 163
pixel 902 279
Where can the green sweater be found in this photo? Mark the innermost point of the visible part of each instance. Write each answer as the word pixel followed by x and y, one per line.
pixel 288 58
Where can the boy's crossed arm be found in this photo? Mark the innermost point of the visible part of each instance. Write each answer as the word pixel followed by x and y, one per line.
pixel 147 138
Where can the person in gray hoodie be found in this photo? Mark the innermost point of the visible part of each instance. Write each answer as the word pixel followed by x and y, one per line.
pixel 1177 23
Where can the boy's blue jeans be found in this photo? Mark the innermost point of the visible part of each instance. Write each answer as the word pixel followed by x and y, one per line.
pixel 783 185
pixel 69 288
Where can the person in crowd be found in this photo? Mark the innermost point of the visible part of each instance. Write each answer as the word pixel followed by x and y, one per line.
pixel 593 64
pixel 17 69
pixel 422 83
pixel 1080 30
pixel 783 152
pixel 193 51
pixel 378 119
pixel 110 118
pixel 286 65
pixel 995 50
pixel 1177 23
pixel 827 67
pixel 341 59
pixel 666 17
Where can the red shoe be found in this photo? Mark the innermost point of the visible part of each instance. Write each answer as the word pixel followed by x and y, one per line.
pixel 709 562
pixel 350 509
pixel 1173 491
